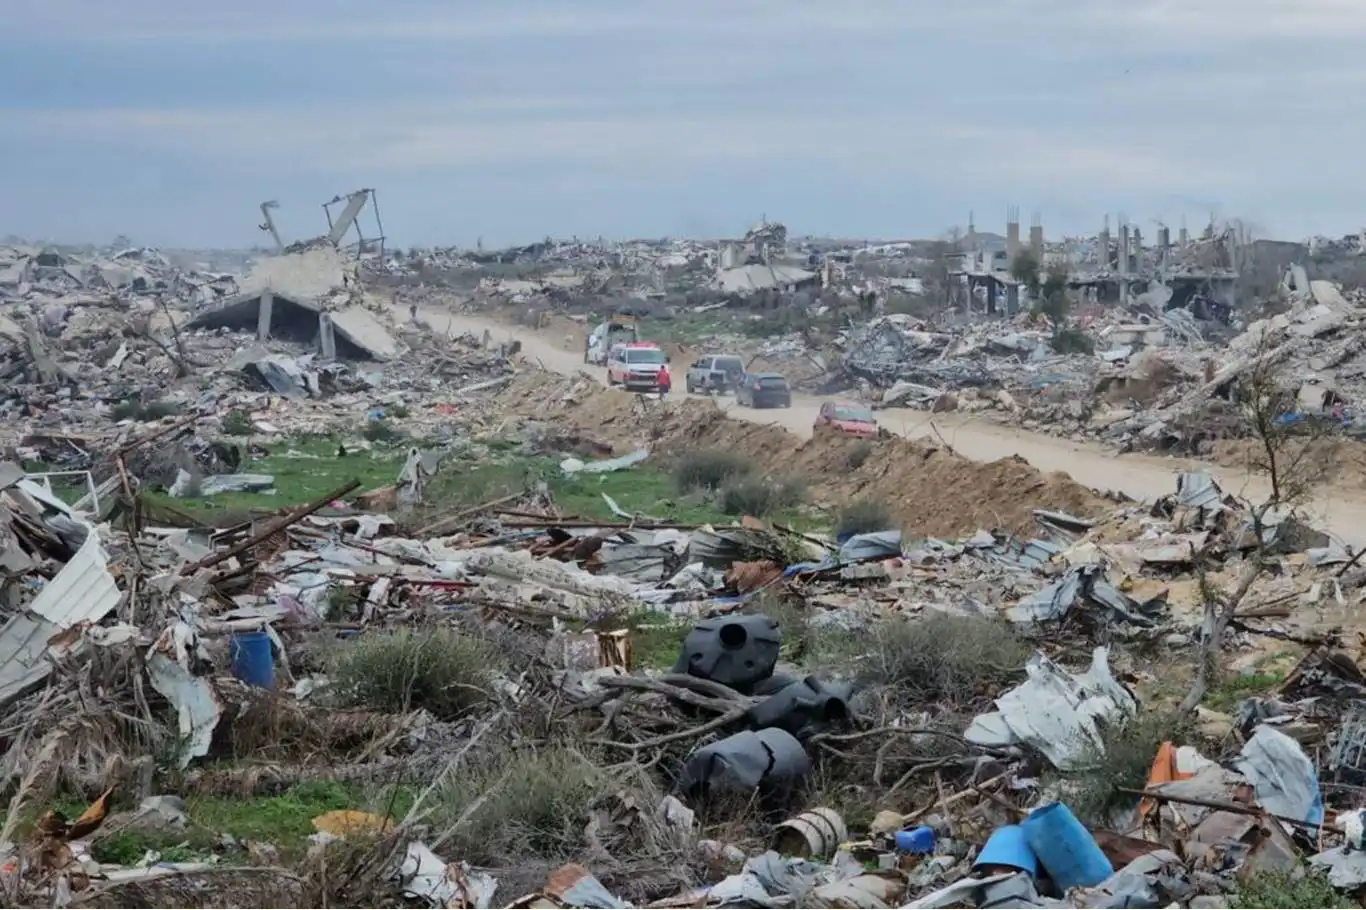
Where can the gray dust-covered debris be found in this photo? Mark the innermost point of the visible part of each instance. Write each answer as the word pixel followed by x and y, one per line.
pixel 445 682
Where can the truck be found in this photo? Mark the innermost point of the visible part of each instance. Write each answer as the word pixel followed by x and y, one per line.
pixel 618 329
pixel 715 373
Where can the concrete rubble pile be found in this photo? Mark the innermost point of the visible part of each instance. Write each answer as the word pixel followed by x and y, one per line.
pixel 157 654
pixel 1159 384
pixel 1315 348
pixel 160 617
pixel 44 281
pixel 974 367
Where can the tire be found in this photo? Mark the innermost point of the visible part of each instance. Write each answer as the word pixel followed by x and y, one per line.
pixel 688 386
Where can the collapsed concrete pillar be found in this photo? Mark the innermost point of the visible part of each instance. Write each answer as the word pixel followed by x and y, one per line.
pixel 263 315
pixel 47 368
pixel 327 340
pixel 1012 233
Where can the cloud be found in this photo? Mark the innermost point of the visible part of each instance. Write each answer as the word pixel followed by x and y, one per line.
pixel 553 133
pixel 622 115
pixel 259 21
pixel 1232 20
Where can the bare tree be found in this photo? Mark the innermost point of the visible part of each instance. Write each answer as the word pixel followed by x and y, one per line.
pixel 1288 451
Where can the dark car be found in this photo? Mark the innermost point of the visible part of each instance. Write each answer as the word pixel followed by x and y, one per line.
pixel 764 390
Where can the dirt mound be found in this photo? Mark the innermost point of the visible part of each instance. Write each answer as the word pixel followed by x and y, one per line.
pixel 932 491
pixel 936 493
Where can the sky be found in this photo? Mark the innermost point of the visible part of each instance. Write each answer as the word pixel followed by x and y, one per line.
pixel 506 121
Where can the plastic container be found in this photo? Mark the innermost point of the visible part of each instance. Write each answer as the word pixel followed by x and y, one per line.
pixel 805 703
pixel 772 759
pixel 1008 847
pixel 919 839
pixel 1065 849
pixel 253 661
pixel 817 833
pixel 736 651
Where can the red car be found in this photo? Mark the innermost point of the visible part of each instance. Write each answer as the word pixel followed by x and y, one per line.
pixel 847 417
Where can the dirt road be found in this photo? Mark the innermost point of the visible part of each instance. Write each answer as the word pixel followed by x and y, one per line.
pixel 1140 477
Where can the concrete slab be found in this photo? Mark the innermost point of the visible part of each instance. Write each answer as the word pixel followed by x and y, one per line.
pixel 359 326
pixel 303 276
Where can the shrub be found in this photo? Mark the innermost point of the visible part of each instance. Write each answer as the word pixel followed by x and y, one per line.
pixel 158 409
pixel 709 470
pixel 135 409
pixel 1122 761
pixel 759 497
pixel 444 671
pixel 379 431
pixel 945 657
pixel 862 516
pixel 1072 340
pixel 858 454
pixel 529 803
pixel 237 423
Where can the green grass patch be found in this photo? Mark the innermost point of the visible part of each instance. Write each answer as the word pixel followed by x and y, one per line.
pixel 1269 672
pixel 692 328
pixel 1269 889
pixel 1236 687
pixel 656 638
pixel 304 469
pixel 284 821
pixel 644 489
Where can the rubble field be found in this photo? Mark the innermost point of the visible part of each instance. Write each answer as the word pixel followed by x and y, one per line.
pixel 309 600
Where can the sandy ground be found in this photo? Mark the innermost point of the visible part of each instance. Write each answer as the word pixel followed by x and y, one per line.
pixel 1339 511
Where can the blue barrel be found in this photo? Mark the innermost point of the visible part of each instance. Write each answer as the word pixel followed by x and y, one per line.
pixel 1065 849
pixel 253 661
pixel 919 839
pixel 1008 846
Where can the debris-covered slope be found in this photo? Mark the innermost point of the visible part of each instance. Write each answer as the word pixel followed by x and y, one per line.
pixel 933 491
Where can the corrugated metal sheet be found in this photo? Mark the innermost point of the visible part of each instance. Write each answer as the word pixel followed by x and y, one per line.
pixel 83 591
pixel 23 642
pixel 1197 490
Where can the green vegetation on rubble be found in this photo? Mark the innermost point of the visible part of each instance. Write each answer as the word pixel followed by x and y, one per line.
pixel 1271 889
pixel 1095 789
pixel 307 468
pixel 446 672
pixel 304 469
pixel 284 821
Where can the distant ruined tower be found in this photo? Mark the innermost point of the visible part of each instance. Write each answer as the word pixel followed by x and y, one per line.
pixel 1012 232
